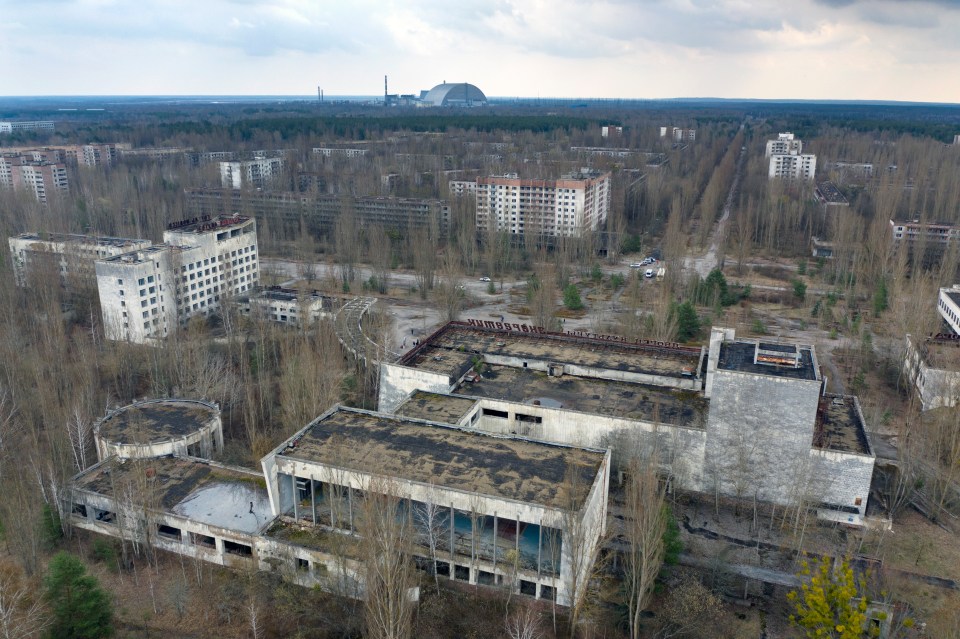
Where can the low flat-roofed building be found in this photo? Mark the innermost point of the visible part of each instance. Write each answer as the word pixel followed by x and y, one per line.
pixel 290 306
pixel 742 417
pixel 948 305
pixel 441 361
pixel 829 195
pixel 933 368
pixel 187 506
pixel 525 494
pixel 157 427
pixel 13 126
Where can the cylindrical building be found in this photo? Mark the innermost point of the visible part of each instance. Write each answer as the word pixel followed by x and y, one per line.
pixel 157 427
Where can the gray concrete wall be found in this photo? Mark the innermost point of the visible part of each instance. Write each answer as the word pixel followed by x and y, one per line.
pixel 759 433
pixel 397 382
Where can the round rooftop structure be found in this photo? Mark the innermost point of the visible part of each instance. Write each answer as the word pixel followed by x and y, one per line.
pixel 458 94
pixel 158 427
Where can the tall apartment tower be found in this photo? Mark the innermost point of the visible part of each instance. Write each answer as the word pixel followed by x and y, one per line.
pixel 146 294
pixel 567 207
pixel 250 173
pixel 41 177
pixel 787 159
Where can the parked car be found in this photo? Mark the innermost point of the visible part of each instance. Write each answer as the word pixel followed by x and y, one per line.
pixel 637 265
pixel 648 273
pixel 484 279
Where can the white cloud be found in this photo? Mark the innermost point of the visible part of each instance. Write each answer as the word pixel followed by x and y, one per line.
pixel 615 48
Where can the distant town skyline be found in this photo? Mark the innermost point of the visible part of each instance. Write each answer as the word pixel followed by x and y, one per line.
pixel 805 49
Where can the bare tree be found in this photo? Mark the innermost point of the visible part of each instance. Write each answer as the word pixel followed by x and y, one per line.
pixel 644 523
pixel 523 624
pixel 80 432
pixel 432 530
pixel 22 613
pixel 386 540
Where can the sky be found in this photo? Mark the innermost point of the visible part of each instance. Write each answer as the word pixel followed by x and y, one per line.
pixel 781 49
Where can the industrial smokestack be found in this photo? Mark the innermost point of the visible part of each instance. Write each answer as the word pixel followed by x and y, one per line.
pixel 384 89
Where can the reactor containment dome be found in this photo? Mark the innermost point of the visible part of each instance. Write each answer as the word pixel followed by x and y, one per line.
pixel 458 94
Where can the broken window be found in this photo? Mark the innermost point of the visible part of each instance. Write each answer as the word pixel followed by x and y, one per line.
pixel 204 541
pixel 461 573
pixel 303 565
pixel 530 419
pixel 443 568
pixel 547 592
pixel 169 532
pixel 79 510
pixel 104 516
pixel 490 412
pixel 528 588
pixel 234 548
pixel 485 578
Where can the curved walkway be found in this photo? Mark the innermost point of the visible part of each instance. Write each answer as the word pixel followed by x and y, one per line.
pixel 348 324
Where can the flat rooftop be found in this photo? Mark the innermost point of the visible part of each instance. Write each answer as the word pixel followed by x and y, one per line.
pixel 435 407
pixel 453 346
pixel 449 457
pixel 72 238
pixel 139 255
pixel 942 352
pixel 589 395
pixel 839 426
pixel 953 294
pixel 742 356
pixel 207 223
pixel 208 493
pixel 154 421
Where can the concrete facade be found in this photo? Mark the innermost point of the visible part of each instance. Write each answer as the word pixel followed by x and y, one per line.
pixel 569 207
pixel 754 424
pixel 160 427
pixel 933 366
pixel 72 255
pixel 948 305
pixel 146 294
pixel 255 173
pixel 9 126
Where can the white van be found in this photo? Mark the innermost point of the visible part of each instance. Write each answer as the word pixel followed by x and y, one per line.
pixel 648 273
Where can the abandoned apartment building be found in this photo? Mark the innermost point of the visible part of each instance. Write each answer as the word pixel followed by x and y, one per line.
pixel 743 418
pixel 485 508
pixel 932 364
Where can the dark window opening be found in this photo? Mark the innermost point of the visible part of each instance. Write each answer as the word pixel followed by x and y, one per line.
pixel 443 568
pixel 528 588
pixel 485 578
pixel 204 541
pixel 105 516
pixel 234 548
pixel 461 573
pixel 530 419
pixel 422 563
pixel 79 510
pixel 547 592
pixel 489 412
pixel 169 532
pixel 303 565
pixel 524 364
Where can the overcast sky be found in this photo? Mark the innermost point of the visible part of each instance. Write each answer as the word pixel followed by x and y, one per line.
pixel 819 49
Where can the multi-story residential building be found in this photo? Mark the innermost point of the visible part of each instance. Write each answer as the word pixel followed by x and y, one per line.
pixel 146 294
pixel 460 188
pixel 801 166
pixel 321 211
pixel 70 255
pixel 96 154
pixel 786 143
pixel 255 173
pixel 678 134
pixel 44 179
pixel 12 127
pixel 924 241
pixel 567 207
pixel 611 131
pixel 948 305
pixel 328 151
